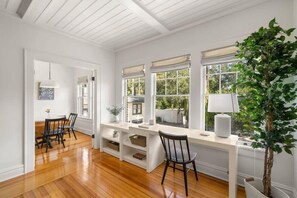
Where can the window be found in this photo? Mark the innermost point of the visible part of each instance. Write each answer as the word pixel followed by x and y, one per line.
pixel 84 97
pixel 137 109
pixel 220 74
pixel 134 90
pixel 172 87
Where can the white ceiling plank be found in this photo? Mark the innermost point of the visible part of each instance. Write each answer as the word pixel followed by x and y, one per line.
pixel 50 11
pixel 84 15
pixel 144 15
pixel 137 35
pixel 13 5
pixel 66 8
pixel 92 21
pixel 113 19
pixel 80 8
pixel 124 22
pixel 183 6
pixel 35 9
pixel 117 31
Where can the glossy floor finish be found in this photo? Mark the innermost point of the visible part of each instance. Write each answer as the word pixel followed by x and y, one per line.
pixel 80 171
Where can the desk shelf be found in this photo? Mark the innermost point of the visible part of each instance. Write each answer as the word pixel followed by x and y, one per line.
pixel 111 152
pixel 127 142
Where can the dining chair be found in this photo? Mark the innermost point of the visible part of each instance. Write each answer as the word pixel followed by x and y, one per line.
pixel 53 130
pixel 177 151
pixel 70 122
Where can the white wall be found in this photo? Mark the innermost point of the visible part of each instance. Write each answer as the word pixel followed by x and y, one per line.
pixel 15 36
pixel 64 99
pixel 217 33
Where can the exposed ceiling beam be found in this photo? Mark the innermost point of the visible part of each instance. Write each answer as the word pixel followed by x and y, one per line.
pixel 23 7
pixel 143 14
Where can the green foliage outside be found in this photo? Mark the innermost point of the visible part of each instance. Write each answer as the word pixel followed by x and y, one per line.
pixel 267 82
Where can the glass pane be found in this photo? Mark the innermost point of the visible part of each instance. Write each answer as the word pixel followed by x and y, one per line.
pixel 136 86
pixel 172 111
pixel 160 75
pixel 227 80
pixel 135 109
pixel 213 69
pixel 160 87
pixel 129 87
pixel 171 74
pixel 142 87
pixel 227 67
pixel 212 84
pixel 171 87
pixel 183 86
pixel 183 73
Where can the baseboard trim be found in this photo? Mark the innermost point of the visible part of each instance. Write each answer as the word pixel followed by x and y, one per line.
pixel 11 172
pixel 222 174
pixel 83 130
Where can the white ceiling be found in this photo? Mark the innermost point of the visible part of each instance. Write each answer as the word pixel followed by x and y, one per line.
pixel 117 24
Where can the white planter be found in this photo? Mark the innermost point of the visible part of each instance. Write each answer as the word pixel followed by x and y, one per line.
pixel 254 188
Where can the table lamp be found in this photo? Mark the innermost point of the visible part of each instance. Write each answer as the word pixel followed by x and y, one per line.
pixel 224 103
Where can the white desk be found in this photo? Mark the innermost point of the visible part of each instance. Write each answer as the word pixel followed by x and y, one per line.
pixel 194 137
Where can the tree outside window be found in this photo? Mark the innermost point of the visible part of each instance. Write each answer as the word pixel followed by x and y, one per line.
pixel 172 97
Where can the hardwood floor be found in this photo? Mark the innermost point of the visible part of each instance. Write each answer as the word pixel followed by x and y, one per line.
pixel 80 171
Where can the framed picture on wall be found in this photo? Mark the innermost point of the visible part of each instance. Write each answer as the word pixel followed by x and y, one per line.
pixel 45 93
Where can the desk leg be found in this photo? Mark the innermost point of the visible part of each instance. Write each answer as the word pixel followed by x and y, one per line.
pixel 233 158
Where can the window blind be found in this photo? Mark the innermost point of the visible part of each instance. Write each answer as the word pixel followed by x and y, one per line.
pixel 133 71
pixel 220 55
pixel 176 63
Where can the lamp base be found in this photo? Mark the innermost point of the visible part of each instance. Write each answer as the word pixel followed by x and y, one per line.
pixel 222 125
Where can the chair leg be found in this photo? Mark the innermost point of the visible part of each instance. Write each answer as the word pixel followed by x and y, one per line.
pixel 194 166
pixel 173 166
pixel 61 136
pixel 165 170
pixel 69 132
pixel 47 143
pixel 36 142
pixel 185 178
pixel 73 133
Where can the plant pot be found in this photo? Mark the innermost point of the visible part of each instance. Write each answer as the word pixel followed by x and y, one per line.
pixel 254 189
pixel 116 118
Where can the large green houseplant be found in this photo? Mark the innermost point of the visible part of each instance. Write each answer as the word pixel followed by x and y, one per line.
pixel 267 82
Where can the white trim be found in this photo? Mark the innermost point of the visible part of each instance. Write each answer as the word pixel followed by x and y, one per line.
pixel 11 172
pixel 222 174
pixel 29 57
pixel 83 130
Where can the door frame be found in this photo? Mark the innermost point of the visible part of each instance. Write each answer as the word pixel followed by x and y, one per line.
pixel 29 127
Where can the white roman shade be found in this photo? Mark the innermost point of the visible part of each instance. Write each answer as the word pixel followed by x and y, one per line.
pixel 176 63
pixel 133 71
pixel 82 80
pixel 220 55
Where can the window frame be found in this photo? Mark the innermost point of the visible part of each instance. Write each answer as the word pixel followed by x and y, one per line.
pixel 80 99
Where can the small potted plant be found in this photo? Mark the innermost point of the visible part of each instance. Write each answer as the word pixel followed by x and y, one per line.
pixel 267 84
pixel 115 111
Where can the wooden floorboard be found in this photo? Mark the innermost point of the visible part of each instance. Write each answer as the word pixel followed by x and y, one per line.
pixel 80 171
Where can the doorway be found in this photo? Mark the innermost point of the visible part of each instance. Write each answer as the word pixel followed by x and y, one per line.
pixel 29 130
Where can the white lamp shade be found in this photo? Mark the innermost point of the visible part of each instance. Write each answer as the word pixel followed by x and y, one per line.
pixel 224 103
pixel 49 84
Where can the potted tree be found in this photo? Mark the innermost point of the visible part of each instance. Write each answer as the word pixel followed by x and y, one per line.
pixel 267 82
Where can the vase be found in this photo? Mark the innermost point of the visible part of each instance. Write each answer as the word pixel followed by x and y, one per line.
pixel 116 118
pixel 254 189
